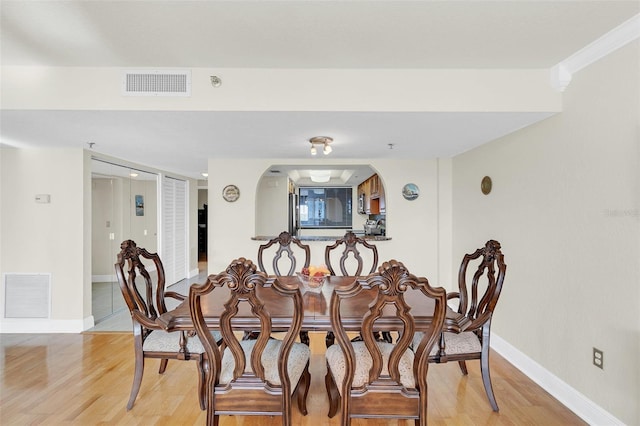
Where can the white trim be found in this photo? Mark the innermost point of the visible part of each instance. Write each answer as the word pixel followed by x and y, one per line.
pixel 582 406
pixel 560 77
pixel 27 325
pixel 193 273
pixel 88 322
pixel 626 32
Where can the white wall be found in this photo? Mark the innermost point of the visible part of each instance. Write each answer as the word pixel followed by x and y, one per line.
pixel 203 195
pixel 412 225
pixel 272 198
pixel 265 89
pixel 565 206
pixel 46 238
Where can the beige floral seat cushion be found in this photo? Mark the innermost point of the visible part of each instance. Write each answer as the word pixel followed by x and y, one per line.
pixel 455 343
pixel 162 341
pixel 336 363
pixel 298 359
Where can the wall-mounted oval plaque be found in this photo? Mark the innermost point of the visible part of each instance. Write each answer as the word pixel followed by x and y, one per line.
pixel 230 193
pixel 485 185
pixel 410 191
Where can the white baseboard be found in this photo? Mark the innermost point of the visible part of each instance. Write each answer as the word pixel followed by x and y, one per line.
pixel 582 406
pixel 36 325
pixel 193 273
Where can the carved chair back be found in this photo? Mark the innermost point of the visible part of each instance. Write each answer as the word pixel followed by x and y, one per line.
pixel 350 262
pixel 284 260
pixel 479 288
pixel 380 379
pixel 144 308
pixel 249 376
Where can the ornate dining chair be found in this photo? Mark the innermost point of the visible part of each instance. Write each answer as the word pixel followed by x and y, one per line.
pixel 282 251
pixel 349 262
pixel 277 248
pixel 251 377
pixel 149 339
pixel 374 379
pixel 480 280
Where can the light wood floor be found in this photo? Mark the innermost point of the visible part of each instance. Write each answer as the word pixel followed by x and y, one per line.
pixel 85 379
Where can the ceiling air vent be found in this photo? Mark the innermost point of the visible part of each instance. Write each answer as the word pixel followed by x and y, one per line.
pixel 156 83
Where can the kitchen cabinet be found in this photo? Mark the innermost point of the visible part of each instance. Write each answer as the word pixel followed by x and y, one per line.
pixel 374 185
pixel 371 196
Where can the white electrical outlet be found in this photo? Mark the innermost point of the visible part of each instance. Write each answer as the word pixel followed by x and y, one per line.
pixel 598 358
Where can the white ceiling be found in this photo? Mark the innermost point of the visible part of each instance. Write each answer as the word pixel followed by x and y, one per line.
pixel 390 34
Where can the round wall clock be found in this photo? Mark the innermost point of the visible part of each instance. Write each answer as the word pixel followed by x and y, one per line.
pixel 230 193
pixel 410 191
pixel 486 185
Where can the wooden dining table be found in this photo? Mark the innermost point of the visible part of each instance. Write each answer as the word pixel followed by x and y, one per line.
pixel 316 308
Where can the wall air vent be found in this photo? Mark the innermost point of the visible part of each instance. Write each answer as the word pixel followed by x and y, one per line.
pixel 27 295
pixel 156 83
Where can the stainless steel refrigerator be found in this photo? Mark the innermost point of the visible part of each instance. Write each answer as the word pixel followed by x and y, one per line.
pixel 294 216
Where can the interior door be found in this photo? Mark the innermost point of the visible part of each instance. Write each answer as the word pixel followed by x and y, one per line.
pixel 174 229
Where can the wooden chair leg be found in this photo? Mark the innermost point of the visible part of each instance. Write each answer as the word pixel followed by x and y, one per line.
pixel 212 418
pixel 330 339
pixel 332 393
pixel 484 366
pixel 202 394
pixel 163 365
pixel 303 390
pixel 463 367
pixel 486 380
pixel 304 337
pixel 137 377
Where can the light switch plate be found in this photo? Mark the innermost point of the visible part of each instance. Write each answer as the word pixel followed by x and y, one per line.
pixel 43 198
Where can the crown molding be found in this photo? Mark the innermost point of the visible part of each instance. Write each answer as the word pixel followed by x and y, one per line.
pixel 561 73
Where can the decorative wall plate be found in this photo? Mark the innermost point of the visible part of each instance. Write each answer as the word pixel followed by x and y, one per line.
pixel 410 191
pixel 230 193
pixel 486 185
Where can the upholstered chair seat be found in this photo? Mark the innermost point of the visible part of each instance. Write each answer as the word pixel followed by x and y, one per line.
pixel 298 360
pixel 161 341
pixel 455 343
pixel 336 363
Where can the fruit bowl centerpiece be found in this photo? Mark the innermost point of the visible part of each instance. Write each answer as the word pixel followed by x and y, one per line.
pixel 313 277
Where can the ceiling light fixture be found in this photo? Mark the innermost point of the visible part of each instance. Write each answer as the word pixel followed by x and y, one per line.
pixel 325 141
pixel 320 176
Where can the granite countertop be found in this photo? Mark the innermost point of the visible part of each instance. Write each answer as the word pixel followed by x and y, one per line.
pixel 323 238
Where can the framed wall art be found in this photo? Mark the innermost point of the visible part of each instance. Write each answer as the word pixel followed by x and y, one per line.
pixel 410 191
pixel 230 193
